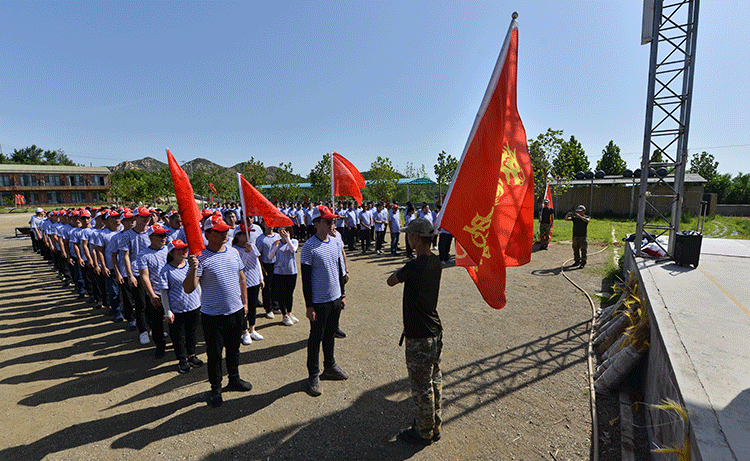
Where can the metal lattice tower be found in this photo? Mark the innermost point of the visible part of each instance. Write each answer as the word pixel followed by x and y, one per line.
pixel 670 85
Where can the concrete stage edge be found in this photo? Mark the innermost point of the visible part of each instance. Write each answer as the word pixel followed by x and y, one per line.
pixel 700 349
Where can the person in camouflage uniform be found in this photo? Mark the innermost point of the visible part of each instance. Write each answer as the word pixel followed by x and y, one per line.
pixel 423 332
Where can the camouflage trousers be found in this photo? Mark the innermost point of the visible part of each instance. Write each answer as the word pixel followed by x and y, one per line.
pixel 544 230
pixel 580 248
pixel 423 362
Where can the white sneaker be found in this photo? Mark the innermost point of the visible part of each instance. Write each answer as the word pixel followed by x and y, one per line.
pixel 256 336
pixel 287 321
pixel 144 338
pixel 294 319
pixel 269 315
pixel 247 339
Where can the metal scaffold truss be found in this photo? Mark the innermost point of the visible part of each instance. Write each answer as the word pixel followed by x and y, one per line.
pixel 673 32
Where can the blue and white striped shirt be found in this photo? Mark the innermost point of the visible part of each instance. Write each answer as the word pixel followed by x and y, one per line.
pixel 323 258
pixel 220 283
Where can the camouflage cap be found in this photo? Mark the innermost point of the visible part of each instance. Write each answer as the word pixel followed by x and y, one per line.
pixel 421 227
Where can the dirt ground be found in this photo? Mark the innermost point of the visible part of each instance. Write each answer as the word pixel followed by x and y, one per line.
pixel 77 386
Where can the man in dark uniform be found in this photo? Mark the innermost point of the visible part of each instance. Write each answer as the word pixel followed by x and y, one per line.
pixel 546 219
pixel 580 227
pixel 423 332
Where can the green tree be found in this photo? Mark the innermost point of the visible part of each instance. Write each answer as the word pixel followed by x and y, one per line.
pixel 444 169
pixel 611 161
pixel 571 159
pixel 657 156
pixel 722 185
pixel 28 155
pixel 157 185
pixel 704 165
pixel 255 172
pixel 383 179
pixel 320 179
pixel 542 151
pixel 740 191
pixel 285 186
pixel 129 186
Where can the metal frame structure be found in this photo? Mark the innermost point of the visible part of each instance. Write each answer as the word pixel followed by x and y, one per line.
pixel 670 86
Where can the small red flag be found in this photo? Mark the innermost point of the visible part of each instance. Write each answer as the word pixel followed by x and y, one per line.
pixel 347 180
pixel 188 209
pixel 211 186
pixel 256 204
pixel 489 207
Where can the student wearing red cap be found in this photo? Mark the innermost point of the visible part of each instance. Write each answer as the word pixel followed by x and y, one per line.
pixel 181 310
pixel 253 277
pixel 130 243
pixel 219 273
pixel 150 261
pixel 322 286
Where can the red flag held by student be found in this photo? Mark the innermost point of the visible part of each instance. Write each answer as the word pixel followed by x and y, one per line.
pixel 347 180
pixel 256 204
pixel 489 207
pixel 188 209
pixel 211 186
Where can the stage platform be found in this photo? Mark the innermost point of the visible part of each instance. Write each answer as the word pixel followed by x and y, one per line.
pixel 700 349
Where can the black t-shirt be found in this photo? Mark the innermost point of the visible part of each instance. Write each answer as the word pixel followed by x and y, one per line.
pixel 579 226
pixel 546 213
pixel 421 278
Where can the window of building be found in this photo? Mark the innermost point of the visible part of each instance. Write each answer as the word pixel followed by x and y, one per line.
pixel 76 180
pixel 78 196
pixel 32 198
pixel 52 179
pixel 29 180
pixel 6 198
pixel 5 180
pixel 54 197
pixel 100 180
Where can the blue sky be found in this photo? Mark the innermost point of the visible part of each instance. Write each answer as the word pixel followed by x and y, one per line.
pixel 280 81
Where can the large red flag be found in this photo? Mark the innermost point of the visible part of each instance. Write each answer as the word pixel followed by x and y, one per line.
pixel 489 208
pixel 347 180
pixel 256 204
pixel 189 211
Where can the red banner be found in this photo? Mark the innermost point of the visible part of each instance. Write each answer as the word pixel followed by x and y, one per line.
pixel 256 204
pixel 489 207
pixel 347 180
pixel 189 211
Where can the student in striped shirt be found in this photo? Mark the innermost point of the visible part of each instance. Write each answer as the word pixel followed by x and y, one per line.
pixel 322 286
pixel 253 278
pixel 219 272
pixel 150 262
pixel 285 274
pixel 181 310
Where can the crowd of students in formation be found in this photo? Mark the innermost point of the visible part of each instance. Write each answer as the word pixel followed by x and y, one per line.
pixel 136 265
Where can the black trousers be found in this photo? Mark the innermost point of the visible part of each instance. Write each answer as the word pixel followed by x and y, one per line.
pixel 156 322
pixel 268 297
pixel 364 237
pixel 134 299
pixel 252 304
pixel 183 333
pixel 284 291
pixel 222 332
pixel 349 237
pixel 379 239
pixel 323 330
pixel 444 246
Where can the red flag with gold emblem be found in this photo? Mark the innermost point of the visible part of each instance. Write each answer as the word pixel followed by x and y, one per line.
pixel 489 208
pixel 188 209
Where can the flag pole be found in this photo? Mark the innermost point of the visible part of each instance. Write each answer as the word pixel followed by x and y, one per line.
pixel 333 187
pixel 242 204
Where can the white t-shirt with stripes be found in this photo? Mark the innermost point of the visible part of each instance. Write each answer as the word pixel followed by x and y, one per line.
pixel 219 280
pixel 323 257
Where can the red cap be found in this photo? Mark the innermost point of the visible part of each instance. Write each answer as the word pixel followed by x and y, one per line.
pixel 127 215
pixel 142 211
pixel 84 214
pixel 215 223
pixel 176 244
pixel 323 212
pixel 206 212
pixel 158 230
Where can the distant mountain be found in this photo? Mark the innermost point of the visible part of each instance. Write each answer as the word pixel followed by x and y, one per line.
pixel 145 164
pixel 151 164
